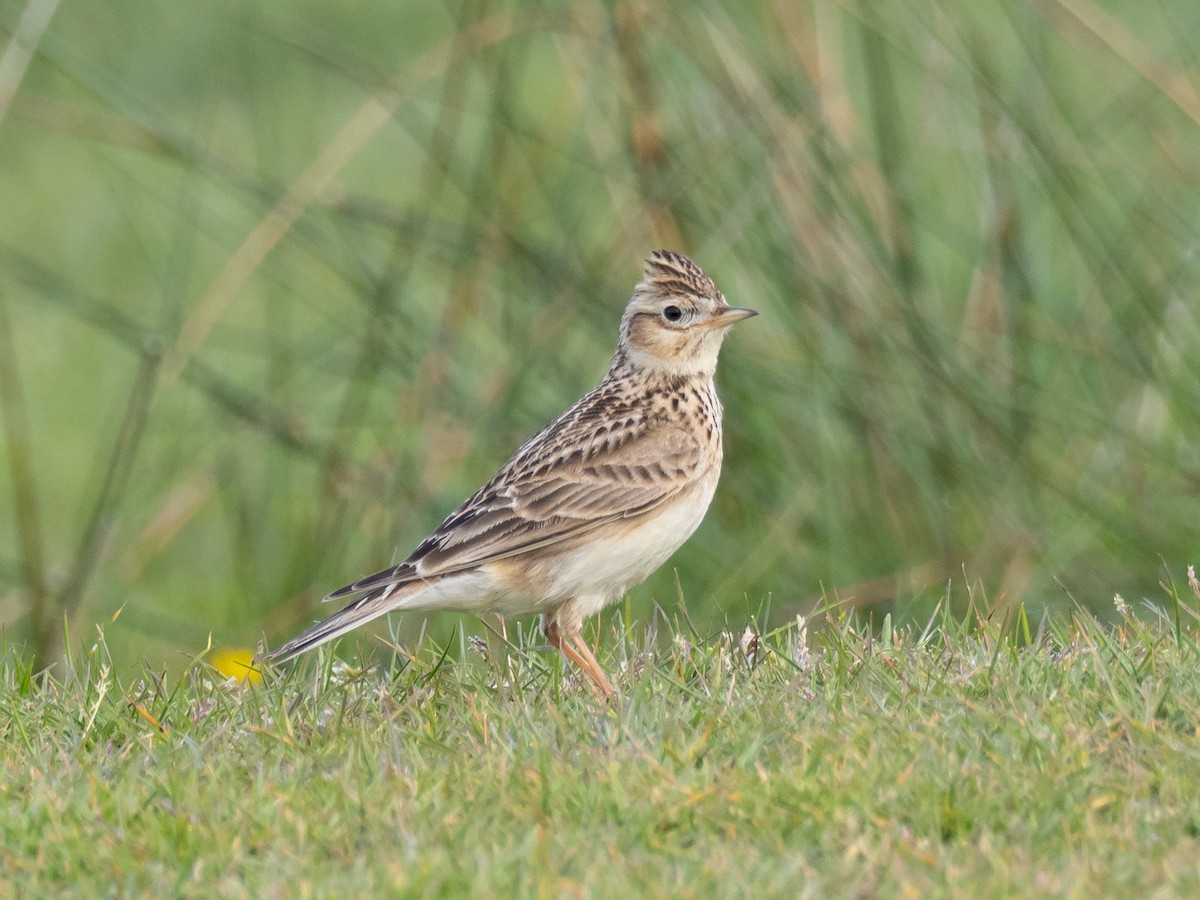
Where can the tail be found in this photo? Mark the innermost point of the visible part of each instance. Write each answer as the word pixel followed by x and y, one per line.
pixel 369 606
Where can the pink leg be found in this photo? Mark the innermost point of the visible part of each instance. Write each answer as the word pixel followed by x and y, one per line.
pixel 578 652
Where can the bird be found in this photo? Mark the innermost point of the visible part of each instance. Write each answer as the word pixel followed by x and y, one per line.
pixel 593 503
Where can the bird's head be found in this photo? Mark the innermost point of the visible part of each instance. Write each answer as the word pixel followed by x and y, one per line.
pixel 677 318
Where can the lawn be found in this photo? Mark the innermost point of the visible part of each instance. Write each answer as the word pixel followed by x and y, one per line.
pixel 980 759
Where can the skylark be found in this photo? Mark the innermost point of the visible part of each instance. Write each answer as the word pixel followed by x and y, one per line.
pixel 593 503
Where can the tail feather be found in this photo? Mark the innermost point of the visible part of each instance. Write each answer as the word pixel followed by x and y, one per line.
pixel 364 609
pixel 393 576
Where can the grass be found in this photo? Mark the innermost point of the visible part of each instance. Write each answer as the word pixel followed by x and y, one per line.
pixel 822 758
pixel 281 284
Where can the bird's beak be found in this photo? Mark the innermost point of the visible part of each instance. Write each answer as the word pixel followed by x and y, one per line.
pixel 731 315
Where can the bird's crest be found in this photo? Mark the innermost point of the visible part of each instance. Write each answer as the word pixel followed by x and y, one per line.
pixel 668 272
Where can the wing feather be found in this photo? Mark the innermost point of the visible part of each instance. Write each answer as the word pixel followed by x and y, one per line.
pixel 565 483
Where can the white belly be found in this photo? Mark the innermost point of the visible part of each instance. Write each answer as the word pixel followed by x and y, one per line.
pixel 607 567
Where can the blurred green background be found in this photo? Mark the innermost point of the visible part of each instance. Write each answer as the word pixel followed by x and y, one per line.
pixel 281 283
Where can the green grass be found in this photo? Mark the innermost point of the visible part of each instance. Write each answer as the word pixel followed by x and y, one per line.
pixel 829 759
pixel 282 283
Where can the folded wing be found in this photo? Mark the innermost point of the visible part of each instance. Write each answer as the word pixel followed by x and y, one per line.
pixel 541 498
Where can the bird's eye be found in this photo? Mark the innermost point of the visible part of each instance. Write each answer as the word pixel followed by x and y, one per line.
pixel 672 313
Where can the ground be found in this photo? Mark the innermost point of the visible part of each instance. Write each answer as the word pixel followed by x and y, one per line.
pixel 816 759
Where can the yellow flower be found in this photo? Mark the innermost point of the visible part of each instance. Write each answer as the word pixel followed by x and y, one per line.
pixel 236 662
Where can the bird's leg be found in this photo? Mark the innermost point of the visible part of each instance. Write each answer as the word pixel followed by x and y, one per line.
pixel 578 652
pixel 592 668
